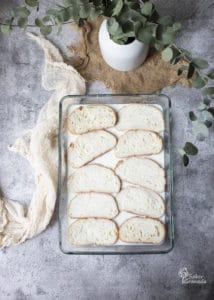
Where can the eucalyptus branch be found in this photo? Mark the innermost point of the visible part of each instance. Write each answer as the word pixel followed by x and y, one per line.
pixel 128 20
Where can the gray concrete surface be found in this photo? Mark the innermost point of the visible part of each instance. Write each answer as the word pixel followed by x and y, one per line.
pixel 37 269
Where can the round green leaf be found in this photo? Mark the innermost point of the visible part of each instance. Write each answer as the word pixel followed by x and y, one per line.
pixel 192 116
pixel 21 12
pixel 208 123
pixel 198 83
pixel 209 91
pixel 167 54
pixel 168 36
pixel 177 26
pixel 146 10
pixel 166 21
pixel 211 110
pixel 5 29
pixel 207 101
pixel 191 71
pixel 145 34
pixel 159 46
pixel 39 22
pixel 22 22
pixel 185 160
pixel 211 75
pixel 46 30
pixel 200 63
pixel 190 149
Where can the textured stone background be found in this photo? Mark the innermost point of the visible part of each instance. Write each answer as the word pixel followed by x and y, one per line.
pixel 37 269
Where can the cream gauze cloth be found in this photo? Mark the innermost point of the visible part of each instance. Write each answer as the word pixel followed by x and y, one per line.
pixel 39 147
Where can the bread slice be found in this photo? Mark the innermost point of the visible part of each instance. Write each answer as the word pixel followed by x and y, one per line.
pixel 138 142
pixel 91 117
pixel 94 232
pixel 140 116
pixel 142 171
pixel 141 201
pixel 95 205
pixel 142 230
pixel 94 178
pixel 89 146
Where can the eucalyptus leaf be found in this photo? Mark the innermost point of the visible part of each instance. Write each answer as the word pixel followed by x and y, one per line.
pixel 39 22
pixel 200 63
pixel 168 36
pixel 208 123
pixel 146 10
pixel 211 110
pixel 198 82
pixel 46 19
pixel 192 116
pixel 167 54
pixel 207 101
pixel 190 149
pixel 5 29
pixel 145 34
pixel 117 8
pixel 22 22
pixel 177 26
pixel 211 75
pixel 209 91
pixel 20 12
pixel 159 46
pixel 46 30
pixel 185 160
pixel 166 21
pixel 191 71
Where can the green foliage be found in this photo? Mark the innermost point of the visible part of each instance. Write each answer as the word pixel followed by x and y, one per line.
pixel 130 19
pixel 188 149
pixel 167 54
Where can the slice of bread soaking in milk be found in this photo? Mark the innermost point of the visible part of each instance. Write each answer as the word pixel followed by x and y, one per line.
pixel 138 142
pixel 142 171
pixel 93 232
pixel 90 145
pixel 94 178
pixel 140 116
pixel 142 230
pixel 91 117
pixel 141 201
pixel 95 205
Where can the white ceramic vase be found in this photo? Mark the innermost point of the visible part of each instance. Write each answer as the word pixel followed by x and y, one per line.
pixel 121 57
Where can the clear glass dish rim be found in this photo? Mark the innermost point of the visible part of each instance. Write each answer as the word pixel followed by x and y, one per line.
pixel 59 186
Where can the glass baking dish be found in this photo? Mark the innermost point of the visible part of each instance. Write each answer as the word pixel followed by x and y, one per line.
pixel 67 104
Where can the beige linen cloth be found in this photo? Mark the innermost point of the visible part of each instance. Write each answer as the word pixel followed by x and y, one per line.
pixel 39 147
